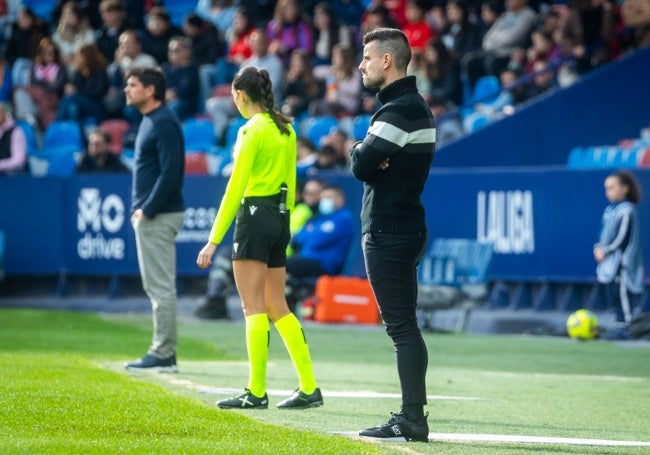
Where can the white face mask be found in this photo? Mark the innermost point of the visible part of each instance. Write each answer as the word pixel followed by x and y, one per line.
pixel 326 206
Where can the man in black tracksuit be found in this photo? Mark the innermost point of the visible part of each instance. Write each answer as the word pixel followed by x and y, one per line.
pixel 393 161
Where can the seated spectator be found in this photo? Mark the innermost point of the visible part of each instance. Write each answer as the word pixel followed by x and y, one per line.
pixel 97 158
pixel 511 30
pixel 182 78
pixel 20 51
pixel 302 88
pixel 460 34
pixel 206 40
pixel 220 13
pixel 543 79
pixel 13 144
pixel 222 108
pixel 343 85
pixel 417 29
pixel 307 157
pixel 207 48
pixel 84 94
pixel 509 96
pixel 221 281
pixel 157 33
pixel 443 71
pixel 72 31
pixel 448 126
pixel 586 32
pixel 328 32
pixel 114 22
pixel 37 102
pixel 127 56
pixel 321 246
pixel 288 30
pixel 636 15
pixel 339 142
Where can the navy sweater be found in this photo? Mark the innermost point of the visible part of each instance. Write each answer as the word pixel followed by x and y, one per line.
pixel 159 164
pixel 403 129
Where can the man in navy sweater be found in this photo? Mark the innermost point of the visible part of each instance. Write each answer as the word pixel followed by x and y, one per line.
pixel 157 209
pixel 393 162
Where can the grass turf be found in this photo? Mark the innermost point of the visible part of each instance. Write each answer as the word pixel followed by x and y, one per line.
pixel 64 390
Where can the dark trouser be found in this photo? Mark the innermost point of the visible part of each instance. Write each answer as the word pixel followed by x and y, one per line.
pixel 621 300
pixel 391 261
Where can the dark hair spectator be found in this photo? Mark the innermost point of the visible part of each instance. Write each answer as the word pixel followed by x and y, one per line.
pixel 84 94
pixel 114 21
pixel 460 34
pixel 157 33
pixel 301 86
pixel 443 72
pixel 26 33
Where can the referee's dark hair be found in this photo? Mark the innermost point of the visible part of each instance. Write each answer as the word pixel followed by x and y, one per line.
pixel 148 76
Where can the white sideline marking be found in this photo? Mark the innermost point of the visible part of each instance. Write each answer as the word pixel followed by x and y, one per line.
pixel 454 437
pixel 565 376
pixel 328 394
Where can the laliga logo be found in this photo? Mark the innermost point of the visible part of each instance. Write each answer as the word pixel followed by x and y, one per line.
pixel 95 214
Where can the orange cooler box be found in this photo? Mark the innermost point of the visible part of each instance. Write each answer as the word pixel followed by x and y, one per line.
pixel 345 299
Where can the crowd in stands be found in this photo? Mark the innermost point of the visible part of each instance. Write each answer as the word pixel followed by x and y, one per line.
pixel 71 64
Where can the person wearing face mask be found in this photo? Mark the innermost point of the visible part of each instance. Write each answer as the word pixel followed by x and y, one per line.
pixel 221 281
pixel 321 246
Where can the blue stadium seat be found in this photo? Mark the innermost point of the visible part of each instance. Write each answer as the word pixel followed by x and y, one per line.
pixel 317 127
pixel 61 164
pixel 233 129
pixel 360 126
pixel 178 9
pixel 30 136
pixel 62 136
pixel 486 90
pixel 199 135
pixel 41 8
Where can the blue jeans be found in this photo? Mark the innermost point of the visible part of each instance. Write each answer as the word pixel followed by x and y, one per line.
pixel 391 261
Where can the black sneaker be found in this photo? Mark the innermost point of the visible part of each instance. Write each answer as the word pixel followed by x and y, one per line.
pixel 245 400
pixel 300 400
pixel 166 365
pixel 398 427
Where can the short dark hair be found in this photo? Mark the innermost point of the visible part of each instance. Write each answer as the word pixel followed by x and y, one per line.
pixel 392 41
pixel 148 76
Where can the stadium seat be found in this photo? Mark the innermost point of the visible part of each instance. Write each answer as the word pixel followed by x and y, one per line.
pixel 486 90
pixel 116 129
pixel 41 8
pixel 233 129
pixel 199 135
pixel 360 126
pixel 178 9
pixel 30 137
pixel 317 127
pixel 61 164
pixel 196 163
pixel 475 121
pixel 62 136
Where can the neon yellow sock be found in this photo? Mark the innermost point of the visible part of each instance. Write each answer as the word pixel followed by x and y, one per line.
pixel 294 340
pixel 257 343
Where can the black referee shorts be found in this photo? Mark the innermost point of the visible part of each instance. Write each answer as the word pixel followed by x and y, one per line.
pixel 261 231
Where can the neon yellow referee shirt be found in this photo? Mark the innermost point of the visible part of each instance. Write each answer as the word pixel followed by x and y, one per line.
pixel 263 159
